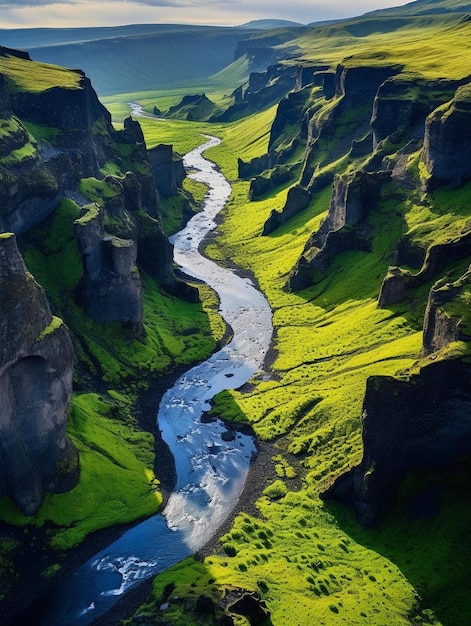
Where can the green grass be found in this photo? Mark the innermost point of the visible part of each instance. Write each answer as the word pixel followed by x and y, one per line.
pixel 23 76
pixel 328 340
pixel 117 484
pixel 433 46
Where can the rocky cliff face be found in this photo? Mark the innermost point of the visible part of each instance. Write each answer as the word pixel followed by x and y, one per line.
pixel 36 364
pixel 346 227
pixel 112 289
pixel 57 141
pixel 420 423
pixel 447 142
pixel 390 135
pixel 264 89
pixel 168 170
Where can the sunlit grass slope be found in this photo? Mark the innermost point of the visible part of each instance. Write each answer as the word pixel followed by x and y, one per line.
pixel 434 46
pixel 303 557
pixel 21 77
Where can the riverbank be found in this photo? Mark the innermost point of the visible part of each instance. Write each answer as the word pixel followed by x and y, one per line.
pixel 261 473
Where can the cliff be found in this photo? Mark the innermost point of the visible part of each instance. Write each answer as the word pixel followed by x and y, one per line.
pixel 57 147
pixel 447 141
pixel 36 365
pixel 419 421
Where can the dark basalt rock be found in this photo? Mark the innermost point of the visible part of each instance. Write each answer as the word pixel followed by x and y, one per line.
pixel 5 105
pixel 77 113
pixel 355 88
pixel 440 326
pixel 36 363
pixel 346 226
pixel 420 423
pixel 309 75
pixel 298 199
pixel 253 608
pixel 256 166
pixel 264 89
pixel 397 281
pixel 291 113
pixel 402 104
pixel 277 176
pixel 447 142
pixel 168 170
pixel 112 290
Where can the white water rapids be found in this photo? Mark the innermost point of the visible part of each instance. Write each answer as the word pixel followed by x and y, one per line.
pixel 210 471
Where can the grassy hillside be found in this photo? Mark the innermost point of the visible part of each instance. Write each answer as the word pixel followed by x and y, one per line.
pixel 434 46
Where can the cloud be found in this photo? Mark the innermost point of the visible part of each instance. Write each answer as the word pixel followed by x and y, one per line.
pixel 78 13
pixel 151 3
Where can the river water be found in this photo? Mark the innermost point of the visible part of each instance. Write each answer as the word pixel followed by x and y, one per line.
pixel 210 471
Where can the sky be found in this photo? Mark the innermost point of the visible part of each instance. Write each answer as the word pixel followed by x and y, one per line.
pixel 70 13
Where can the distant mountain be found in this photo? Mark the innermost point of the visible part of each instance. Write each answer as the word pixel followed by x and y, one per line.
pixel 137 57
pixel 268 24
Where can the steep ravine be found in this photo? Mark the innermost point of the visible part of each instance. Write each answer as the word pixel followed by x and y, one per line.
pixel 211 463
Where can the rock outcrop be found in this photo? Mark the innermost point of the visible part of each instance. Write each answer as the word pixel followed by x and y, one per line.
pixel 403 103
pixel 112 287
pixel 167 169
pixel 398 281
pixel 447 307
pixel 346 226
pixel 264 89
pixel 420 423
pixel 36 364
pixel 297 200
pixel 447 143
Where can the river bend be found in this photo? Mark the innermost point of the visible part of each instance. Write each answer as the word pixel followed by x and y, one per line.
pixel 210 471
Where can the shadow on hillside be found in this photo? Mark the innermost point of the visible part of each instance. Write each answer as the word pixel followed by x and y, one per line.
pixel 426 535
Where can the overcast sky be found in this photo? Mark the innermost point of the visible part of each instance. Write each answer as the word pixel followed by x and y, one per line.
pixel 35 13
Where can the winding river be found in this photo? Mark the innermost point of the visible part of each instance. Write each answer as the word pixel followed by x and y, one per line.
pixel 210 471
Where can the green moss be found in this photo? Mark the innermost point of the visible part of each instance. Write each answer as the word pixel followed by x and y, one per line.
pixel 26 76
pixel 117 484
pixel 276 490
pixel 53 326
pixel 97 190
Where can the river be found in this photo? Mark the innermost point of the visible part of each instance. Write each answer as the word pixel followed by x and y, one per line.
pixel 210 470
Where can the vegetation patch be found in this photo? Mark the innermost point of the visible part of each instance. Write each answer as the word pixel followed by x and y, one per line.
pixel 117 484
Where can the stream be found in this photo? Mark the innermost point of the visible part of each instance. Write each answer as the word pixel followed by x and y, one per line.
pixel 211 471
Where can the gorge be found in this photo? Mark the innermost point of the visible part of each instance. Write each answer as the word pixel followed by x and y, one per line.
pixel 210 466
pixel 346 151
